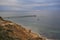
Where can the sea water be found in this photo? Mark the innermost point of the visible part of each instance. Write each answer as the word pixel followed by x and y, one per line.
pixel 46 23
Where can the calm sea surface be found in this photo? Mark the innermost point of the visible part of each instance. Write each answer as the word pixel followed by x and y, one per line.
pixel 47 23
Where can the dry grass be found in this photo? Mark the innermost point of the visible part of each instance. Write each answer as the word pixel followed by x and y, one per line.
pixel 13 31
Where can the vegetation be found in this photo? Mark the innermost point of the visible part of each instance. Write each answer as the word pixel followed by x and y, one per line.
pixel 13 31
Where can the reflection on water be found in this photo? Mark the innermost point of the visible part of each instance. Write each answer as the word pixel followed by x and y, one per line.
pixel 46 23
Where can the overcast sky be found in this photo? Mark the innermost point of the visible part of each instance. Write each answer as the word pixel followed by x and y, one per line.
pixel 28 5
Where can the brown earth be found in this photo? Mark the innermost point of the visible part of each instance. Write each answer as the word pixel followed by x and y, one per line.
pixel 13 31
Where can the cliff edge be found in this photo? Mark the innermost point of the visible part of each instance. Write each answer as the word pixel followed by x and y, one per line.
pixel 12 31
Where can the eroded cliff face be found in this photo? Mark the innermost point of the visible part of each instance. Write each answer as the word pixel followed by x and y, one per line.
pixel 13 31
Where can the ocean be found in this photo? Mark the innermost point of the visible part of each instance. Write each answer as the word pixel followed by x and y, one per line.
pixel 46 23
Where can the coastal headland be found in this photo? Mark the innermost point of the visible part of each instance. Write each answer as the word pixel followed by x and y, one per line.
pixel 12 31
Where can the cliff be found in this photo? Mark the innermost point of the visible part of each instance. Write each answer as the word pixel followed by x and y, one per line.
pixel 12 31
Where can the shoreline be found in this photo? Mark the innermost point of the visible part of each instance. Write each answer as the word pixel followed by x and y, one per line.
pixel 32 31
pixel 24 29
pixel 35 32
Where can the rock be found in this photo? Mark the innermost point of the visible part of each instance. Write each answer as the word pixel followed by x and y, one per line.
pixel 1 18
pixel 13 31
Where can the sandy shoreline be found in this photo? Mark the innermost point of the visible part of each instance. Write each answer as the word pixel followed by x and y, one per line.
pixel 35 32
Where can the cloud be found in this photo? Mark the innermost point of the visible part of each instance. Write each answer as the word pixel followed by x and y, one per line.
pixel 8 2
pixel 12 4
pixel 25 4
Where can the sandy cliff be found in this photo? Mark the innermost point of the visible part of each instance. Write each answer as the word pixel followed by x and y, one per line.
pixel 12 31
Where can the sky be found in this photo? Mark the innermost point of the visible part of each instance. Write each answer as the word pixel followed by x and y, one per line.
pixel 29 5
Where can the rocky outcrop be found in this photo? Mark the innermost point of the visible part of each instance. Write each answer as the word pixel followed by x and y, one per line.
pixel 13 31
